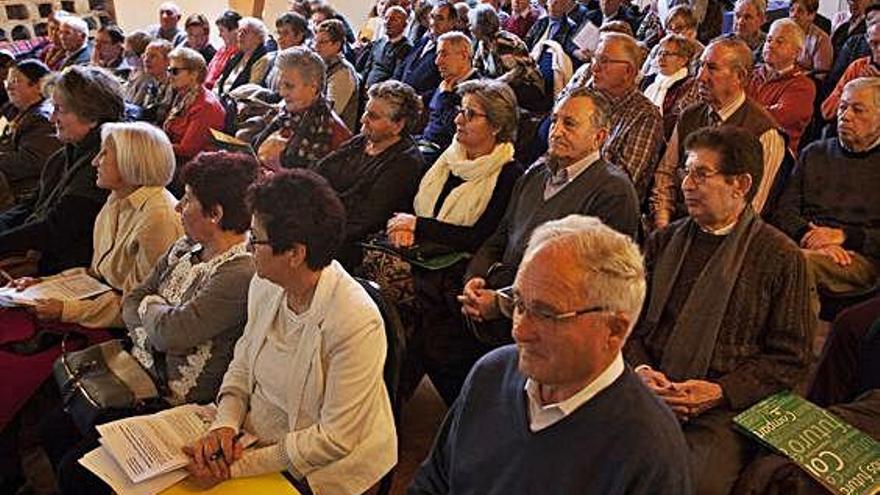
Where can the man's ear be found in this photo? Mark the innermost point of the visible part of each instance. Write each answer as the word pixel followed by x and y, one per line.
pixel 619 324
pixel 743 184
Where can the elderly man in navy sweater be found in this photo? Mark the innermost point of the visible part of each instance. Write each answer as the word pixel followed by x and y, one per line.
pixel 560 412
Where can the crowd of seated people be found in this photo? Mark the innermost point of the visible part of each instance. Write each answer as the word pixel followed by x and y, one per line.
pixel 564 201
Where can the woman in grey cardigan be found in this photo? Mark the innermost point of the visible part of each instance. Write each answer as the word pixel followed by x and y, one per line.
pixel 185 318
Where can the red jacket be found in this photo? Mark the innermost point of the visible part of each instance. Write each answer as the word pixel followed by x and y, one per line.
pixel 190 131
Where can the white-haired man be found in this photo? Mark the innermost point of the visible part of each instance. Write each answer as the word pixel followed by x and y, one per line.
pixel 167 29
pixel 780 85
pixel 560 412
pixel 827 205
pixel 74 35
pixel 748 17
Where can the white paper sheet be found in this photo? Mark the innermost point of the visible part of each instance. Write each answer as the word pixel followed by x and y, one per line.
pixel 102 464
pixel 587 38
pixel 67 286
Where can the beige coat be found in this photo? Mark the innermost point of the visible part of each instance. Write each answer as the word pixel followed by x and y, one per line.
pixel 342 436
pixel 130 234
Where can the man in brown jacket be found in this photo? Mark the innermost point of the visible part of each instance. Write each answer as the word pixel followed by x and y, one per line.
pixel 728 319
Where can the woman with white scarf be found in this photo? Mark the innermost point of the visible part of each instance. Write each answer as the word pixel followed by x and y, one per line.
pixel 673 87
pixel 460 201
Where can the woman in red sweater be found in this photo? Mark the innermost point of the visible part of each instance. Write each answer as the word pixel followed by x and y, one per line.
pixel 195 110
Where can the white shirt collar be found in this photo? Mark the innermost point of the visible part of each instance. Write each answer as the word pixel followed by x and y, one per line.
pixel 544 416
pixel 727 110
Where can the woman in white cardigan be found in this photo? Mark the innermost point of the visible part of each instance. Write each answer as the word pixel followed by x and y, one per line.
pixel 306 377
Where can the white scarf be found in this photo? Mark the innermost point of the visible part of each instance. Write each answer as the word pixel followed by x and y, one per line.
pixel 465 204
pixel 656 91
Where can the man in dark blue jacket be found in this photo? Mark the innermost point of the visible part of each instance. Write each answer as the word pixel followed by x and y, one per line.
pixel 419 69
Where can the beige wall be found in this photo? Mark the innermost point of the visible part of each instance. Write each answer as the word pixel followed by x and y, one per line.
pixel 139 14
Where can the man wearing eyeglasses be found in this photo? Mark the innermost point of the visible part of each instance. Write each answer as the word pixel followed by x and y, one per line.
pixel 728 320
pixel 560 412
pixel 725 69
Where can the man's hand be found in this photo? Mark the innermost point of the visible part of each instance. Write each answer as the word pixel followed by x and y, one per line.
pixel 693 397
pixel 48 309
pixel 478 302
pixel 212 455
pixel 401 230
pixel 840 256
pixel 818 237
pixel 654 380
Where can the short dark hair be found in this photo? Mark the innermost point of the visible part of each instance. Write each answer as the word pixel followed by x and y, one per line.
pixel 298 206
pixel 335 30
pixel 296 22
pixel 221 178
pixel 91 93
pixel 32 69
pixel 740 151
pixel 811 6
pixel 228 20
pixel 114 32
pixel 197 20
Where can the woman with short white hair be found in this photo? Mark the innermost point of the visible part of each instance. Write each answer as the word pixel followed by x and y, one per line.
pixel 251 63
pixel 135 226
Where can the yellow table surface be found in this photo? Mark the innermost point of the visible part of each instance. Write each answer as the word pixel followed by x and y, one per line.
pixel 268 484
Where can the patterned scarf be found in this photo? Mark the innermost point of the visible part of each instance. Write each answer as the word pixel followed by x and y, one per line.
pixel 309 133
pixel 182 100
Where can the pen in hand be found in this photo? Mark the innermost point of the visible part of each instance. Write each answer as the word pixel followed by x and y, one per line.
pixel 218 454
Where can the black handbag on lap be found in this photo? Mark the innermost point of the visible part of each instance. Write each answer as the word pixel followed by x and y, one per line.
pixel 102 383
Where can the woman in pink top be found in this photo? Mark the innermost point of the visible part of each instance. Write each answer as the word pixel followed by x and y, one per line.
pixel 227 23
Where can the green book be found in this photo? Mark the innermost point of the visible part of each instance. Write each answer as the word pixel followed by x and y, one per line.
pixel 840 457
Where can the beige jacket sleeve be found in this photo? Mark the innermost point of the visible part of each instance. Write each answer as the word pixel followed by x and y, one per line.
pixel 127 265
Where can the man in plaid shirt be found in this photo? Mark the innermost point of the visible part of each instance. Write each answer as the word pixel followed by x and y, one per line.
pixel 636 133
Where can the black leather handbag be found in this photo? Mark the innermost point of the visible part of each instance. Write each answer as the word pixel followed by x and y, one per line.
pixel 104 382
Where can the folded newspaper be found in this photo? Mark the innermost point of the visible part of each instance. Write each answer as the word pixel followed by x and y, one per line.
pixel 65 286
pixel 143 455
pixel 840 457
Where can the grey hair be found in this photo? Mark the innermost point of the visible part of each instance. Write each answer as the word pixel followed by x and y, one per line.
pixel 484 17
pixel 162 45
pixel 869 83
pixel 684 46
pixel 405 102
pixel 798 36
pixel 760 5
pixel 630 46
pixel 498 101
pixel 305 62
pixel 609 263
pixel 257 25
pixel 76 23
pixel 104 101
pixel 459 40
pixel 143 153
pixel 192 60
pixel 683 12
pixel 739 57
pixel 601 116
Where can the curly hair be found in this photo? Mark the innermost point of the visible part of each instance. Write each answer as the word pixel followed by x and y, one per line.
pixel 221 178
pixel 298 206
pixel 404 100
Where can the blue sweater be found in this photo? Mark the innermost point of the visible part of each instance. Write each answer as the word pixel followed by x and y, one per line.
pixel 622 441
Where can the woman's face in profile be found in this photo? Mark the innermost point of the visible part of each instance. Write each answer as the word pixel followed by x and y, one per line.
pixel 197 223
pixel 298 94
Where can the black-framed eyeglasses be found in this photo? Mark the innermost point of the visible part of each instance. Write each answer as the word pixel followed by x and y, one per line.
pixel 176 70
pixel 696 174
pixel 468 113
pixel 251 241
pixel 513 307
